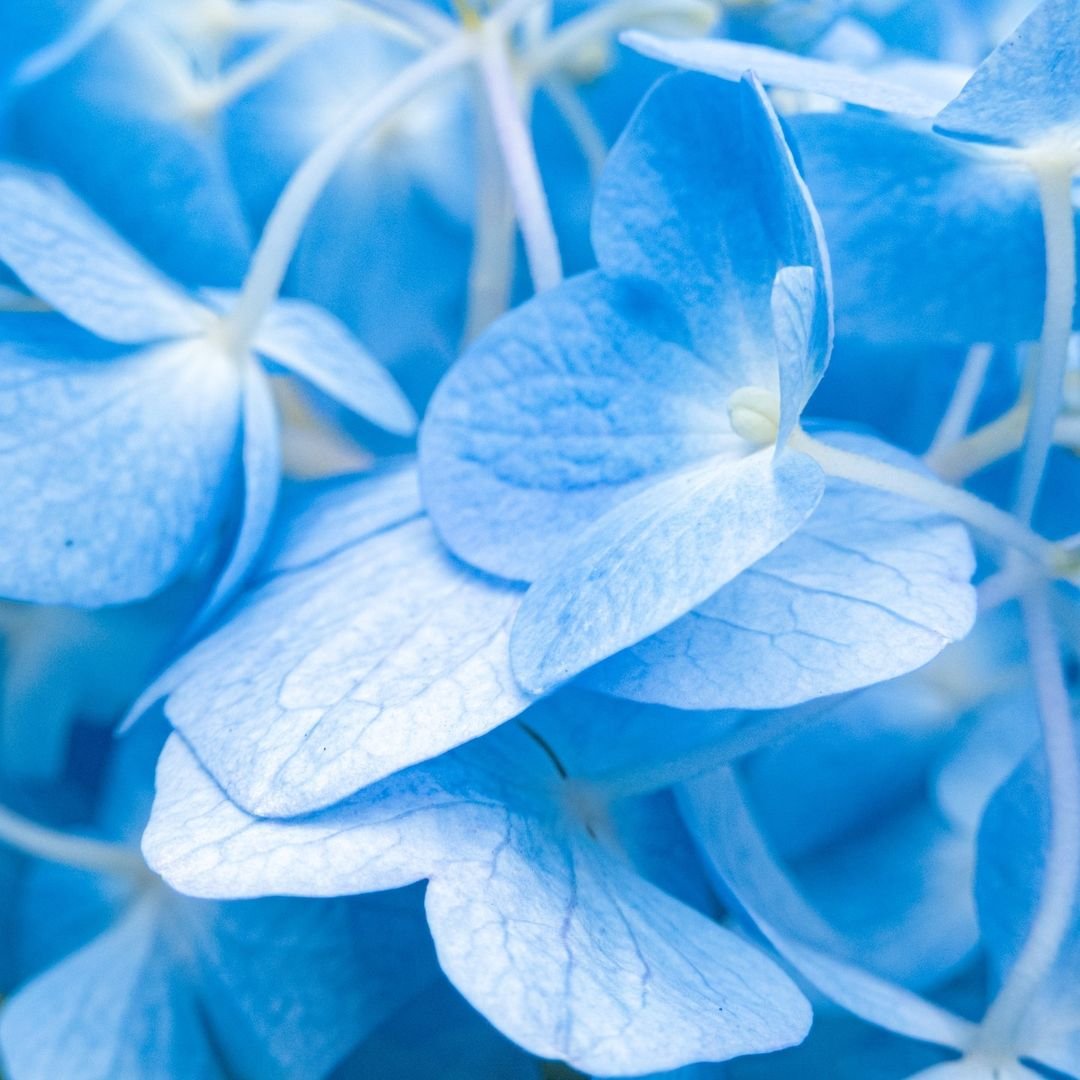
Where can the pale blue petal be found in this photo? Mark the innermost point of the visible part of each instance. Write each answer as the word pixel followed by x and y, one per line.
pixel 574 957
pixel 261 454
pixel 313 344
pixel 543 929
pixel 115 122
pixel 919 223
pixel 730 59
pixel 376 652
pixel 76 263
pixel 318 518
pixel 1028 90
pixel 701 195
pixel 114 466
pixel 309 526
pixel 289 986
pixel 138 1021
pixel 870 587
pixel 1013 842
pixel 655 556
pixel 803 330
pixel 571 403
pixel 459 1045
pixel 733 847
pixel 395 832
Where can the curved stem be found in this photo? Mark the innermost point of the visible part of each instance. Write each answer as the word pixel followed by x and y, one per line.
pixel 391 25
pixel 81 852
pixel 604 21
pixel 491 270
pixel 982 516
pixel 1001 1025
pixel 53 56
pixel 286 222
pixel 519 157
pixel 1055 197
pixel 990 443
pixel 252 70
pixel 954 423
pixel 579 122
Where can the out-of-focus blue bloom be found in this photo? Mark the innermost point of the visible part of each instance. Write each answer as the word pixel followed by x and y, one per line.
pixel 916 222
pixel 143 403
pixel 130 979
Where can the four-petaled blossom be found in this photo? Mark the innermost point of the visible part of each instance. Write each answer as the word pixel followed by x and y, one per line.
pixel 122 415
pixel 625 443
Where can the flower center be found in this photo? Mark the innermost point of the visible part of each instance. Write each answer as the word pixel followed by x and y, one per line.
pixel 754 413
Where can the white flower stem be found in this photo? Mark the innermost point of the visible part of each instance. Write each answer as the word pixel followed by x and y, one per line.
pixel 1059 233
pixel 491 270
pixel 519 156
pixel 397 27
pixel 954 423
pixel 286 222
pixel 992 442
pixel 254 69
pixel 603 21
pixel 982 516
pixel 579 122
pixel 94 18
pixel 1001 1026
pixel 81 852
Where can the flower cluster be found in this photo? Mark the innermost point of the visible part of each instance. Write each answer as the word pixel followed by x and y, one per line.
pixel 539 539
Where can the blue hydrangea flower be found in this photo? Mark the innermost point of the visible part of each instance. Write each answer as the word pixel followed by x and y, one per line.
pixel 538 914
pixel 622 443
pixel 386 651
pixel 123 977
pixel 914 221
pixel 134 394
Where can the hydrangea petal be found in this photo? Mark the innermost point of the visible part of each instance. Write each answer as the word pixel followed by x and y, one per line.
pixel 115 464
pixel 730 59
pixel 917 222
pixel 314 345
pixel 870 587
pixel 720 820
pixel 384 651
pixel 290 986
pixel 576 400
pixel 261 455
pixel 655 556
pixel 121 123
pixel 553 938
pixel 139 1021
pixel 77 264
pixel 803 330
pixel 1028 89
pixel 701 195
